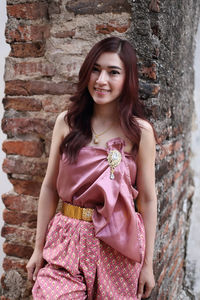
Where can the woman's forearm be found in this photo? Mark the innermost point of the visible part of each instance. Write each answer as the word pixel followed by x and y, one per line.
pixel 148 210
pixel 47 205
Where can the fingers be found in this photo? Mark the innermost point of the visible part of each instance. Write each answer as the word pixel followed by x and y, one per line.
pixel 140 289
pixel 147 291
pixel 37 268
pixel 30 270
pixel 33 270
pixel 144 290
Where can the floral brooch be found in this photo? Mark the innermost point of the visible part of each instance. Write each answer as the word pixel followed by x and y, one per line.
pixel 114 158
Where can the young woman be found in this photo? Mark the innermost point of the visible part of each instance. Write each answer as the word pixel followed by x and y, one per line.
pixel 101 164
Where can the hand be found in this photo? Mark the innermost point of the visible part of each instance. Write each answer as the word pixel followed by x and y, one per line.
pixel 35 263
pixel 146 282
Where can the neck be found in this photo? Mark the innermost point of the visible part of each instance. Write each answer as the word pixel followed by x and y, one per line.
pixel 106 112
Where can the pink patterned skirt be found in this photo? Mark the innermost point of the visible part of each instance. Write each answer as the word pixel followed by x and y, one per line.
pixel 80 266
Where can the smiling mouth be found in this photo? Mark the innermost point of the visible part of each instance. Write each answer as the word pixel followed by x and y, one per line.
pixel 101 91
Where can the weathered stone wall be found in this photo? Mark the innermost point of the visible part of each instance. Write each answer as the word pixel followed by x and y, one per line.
pixel 49 40
pixel 166 36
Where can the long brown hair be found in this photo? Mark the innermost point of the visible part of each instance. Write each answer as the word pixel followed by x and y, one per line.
pixel 80 110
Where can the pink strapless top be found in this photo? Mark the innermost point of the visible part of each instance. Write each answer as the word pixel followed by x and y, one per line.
pixel 88 183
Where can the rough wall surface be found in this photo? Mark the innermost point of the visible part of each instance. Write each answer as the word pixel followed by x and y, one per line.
pixel 192 279
pixel 168 40
pixel 49 40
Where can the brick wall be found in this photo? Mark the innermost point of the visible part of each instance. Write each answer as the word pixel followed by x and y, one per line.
pixel 49 40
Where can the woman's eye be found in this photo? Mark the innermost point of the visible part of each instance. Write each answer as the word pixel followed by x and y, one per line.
pixel 114 72
pixel 95 69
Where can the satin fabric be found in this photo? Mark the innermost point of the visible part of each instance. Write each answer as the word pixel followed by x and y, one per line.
pixel 87 183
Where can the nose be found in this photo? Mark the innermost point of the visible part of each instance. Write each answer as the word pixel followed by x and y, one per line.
pixel 102 77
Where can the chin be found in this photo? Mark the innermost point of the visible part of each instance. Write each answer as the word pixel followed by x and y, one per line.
pixel 103 101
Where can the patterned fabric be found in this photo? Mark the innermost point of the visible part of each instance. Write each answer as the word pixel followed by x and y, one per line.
pixel 80 266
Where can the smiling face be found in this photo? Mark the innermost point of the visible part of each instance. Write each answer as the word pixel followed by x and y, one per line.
pixel 107 78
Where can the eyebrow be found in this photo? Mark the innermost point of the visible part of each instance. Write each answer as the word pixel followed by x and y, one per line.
pixel 110 67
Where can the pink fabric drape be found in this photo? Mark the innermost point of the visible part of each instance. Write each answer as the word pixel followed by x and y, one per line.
pixel 87 183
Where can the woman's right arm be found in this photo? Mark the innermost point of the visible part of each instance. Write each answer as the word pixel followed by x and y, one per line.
pixel 48 199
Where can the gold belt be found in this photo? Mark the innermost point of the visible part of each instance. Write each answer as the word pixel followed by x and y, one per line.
pixel 77 212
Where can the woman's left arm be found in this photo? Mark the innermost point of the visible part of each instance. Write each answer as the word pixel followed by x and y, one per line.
pixel 147 205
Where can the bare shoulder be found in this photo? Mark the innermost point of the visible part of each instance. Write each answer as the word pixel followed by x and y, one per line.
pixel 61 117
pixel 61 125
pixel 146 128
pixel 147 144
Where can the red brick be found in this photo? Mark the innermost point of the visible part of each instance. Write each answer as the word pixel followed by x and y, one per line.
pixel 164 167
pixel 180 157
pixel 165 246
pixel 154 6
pixel 17 218
pixel 163 202
pixel 173 267
pixel 25 33
pixel 177 130
pixel 36 49
pixel 186 164
pixel 53 88
pixel 14 264
pixel 180 183
pixel 19 235
pixel 26 187
pixel 18 126
pixel 4 298
pixel 175 290
pixel 164 133
pixel 26 148
pixel 176 240
pixel 20 202
pixel 176 251
pixel 166 214
pixel 163 253
pixel 179 269
pixel 3 286
pixel 17 250
pixel 55 104
pixel 64 34
pixel 167 150
pixel 177 175
pixel 148 89
pixel 161 277
pixel 156 30
pixel 153 111
pixel 167 182
pixel 24 166
pixel 31 11
pixel 108 28
pixel 38 87
pixel 34 68
pixel 166 228
pixel 182 168
pixel 177 145
pixel 149 72
pixel 22 104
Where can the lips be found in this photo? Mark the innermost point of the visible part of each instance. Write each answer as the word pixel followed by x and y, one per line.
pixel 101 91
